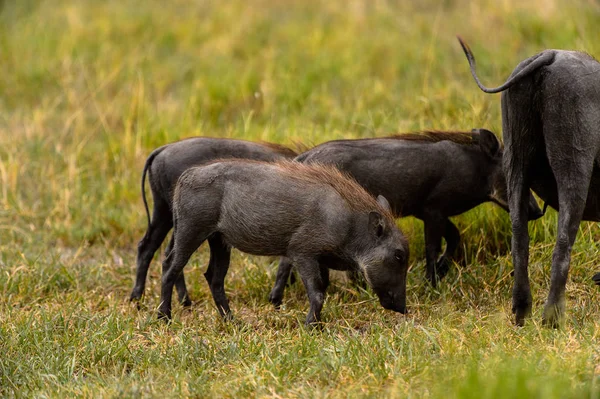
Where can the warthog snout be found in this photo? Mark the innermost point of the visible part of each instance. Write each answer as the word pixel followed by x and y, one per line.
pixel 395 302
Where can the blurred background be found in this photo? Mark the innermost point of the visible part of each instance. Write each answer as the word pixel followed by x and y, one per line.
pixel 89 88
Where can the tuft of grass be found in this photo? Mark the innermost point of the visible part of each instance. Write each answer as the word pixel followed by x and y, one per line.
pixel 88 89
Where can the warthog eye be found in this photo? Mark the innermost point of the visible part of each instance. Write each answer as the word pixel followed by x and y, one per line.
pixel 399 255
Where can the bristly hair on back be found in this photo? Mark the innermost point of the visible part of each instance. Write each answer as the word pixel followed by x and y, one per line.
pixel 345 185
pixel 281 149
pixel 435 136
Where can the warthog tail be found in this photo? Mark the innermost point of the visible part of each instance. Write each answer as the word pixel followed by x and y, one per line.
pixel 524 69
pixel 151 157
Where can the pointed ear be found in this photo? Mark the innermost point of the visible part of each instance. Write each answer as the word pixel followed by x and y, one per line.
pixel 384 203
pixel 376 225
pixel 488 142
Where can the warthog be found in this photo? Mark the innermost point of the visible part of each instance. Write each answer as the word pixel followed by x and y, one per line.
pixel 313 215
pixel 164 166
pixel 550 123
pixel 430 175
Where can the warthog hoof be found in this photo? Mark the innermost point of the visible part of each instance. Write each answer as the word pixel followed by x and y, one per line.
pixel 186 302
pixel 596 278
pixel 136 297
pixel 521 309
pixel 442 267
pixel 164 316
pixel 276 298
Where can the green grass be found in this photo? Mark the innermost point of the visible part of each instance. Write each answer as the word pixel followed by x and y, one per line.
pixel 89 88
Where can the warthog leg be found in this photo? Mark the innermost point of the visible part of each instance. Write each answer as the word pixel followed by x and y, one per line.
pixel 283 272
pixel 316 280
pixel 185 244
pixel 220 254
pixel 434 226
pixel 149 244
pixel 572 182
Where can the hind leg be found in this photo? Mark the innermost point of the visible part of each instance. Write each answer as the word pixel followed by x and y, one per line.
pixel 518 200
pixel 572 194
pixel 185 244
pixel 522 300
pixel 162 221
pixel 452 237
pixel 212 243
pixel 571 146
pixel 522 148
pixel 220 254
pixel 434 227
pixel 180 286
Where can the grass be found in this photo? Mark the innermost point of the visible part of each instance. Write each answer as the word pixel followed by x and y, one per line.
pixel 88 89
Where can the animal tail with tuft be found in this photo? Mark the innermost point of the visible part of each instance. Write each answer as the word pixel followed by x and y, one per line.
pixel 147 165
pixel 524 69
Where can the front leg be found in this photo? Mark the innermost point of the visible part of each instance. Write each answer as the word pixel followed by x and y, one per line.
pixel 316 280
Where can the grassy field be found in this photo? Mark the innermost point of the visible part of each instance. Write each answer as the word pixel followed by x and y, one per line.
pixel 89 88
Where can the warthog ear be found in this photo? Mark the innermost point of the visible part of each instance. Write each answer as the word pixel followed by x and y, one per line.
pixel 384 203
pixel 376 225
pixel 488 142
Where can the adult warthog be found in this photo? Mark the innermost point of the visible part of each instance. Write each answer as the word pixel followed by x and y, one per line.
pixel 551 129
pixel 164 166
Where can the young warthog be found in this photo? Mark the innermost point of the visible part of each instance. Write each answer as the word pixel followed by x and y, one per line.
pixel 431 175
pixel 551 128
pixel 164 166
pixel 314 215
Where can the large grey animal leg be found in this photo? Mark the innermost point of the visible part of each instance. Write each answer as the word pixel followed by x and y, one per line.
pixel 521 132
pixel 518 199
pixel 572 183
